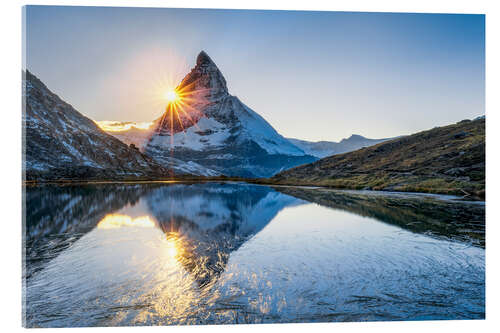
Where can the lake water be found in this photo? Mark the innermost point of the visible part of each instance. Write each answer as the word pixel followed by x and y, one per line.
pixel 221 253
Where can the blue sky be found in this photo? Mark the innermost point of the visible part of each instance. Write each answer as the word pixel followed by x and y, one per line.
pixel 312 75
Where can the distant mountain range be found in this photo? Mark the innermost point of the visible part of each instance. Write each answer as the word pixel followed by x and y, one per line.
pixel 327 148
pixel 448 159
pixel 128 132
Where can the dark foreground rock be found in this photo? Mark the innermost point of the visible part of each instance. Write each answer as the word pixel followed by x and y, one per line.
pixel 61 143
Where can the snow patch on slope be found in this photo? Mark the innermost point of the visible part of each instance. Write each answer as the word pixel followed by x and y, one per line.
pixel 260 131
pixel 208 133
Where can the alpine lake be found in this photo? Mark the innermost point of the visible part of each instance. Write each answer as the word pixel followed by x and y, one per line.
pixel 168 253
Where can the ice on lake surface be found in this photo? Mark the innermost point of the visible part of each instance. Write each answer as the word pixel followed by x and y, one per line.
pixel 217 253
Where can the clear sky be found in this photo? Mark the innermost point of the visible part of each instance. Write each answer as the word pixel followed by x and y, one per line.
pixel 312 75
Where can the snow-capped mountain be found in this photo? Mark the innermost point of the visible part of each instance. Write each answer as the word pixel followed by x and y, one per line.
pixel 131 133
pixel 327 148
pixel 61 143
pixel 218 131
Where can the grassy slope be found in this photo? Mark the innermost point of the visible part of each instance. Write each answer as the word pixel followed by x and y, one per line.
pixel 449 159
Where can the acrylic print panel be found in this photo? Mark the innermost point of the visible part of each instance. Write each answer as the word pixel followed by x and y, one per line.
pixel 196 166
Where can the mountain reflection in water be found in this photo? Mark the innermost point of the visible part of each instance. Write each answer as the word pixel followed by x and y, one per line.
pixel 159 254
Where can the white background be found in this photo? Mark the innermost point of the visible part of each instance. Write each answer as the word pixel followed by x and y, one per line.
pixel 10 155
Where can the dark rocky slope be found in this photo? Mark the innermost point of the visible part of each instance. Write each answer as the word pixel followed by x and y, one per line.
pixel 61 143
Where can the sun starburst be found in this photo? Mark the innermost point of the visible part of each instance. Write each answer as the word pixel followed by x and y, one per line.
pixel 184 108
pixel 171 96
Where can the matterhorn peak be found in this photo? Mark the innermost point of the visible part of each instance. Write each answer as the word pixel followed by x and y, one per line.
pixel 205 77
pixel 203 58
pixel 209 127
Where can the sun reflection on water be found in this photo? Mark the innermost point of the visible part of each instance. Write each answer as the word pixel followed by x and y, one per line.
pixel 173 245
pixel 113 221
pixel 171 272
pixel 154 263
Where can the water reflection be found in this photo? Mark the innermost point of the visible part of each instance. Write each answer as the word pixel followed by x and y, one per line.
pixel 57 216
pixel 445 218
pixel 214 220
pixel 106 255
pixel 156 254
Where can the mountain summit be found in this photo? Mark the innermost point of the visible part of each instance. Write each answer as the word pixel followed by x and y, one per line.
pixel 216 130
pixel 205 78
